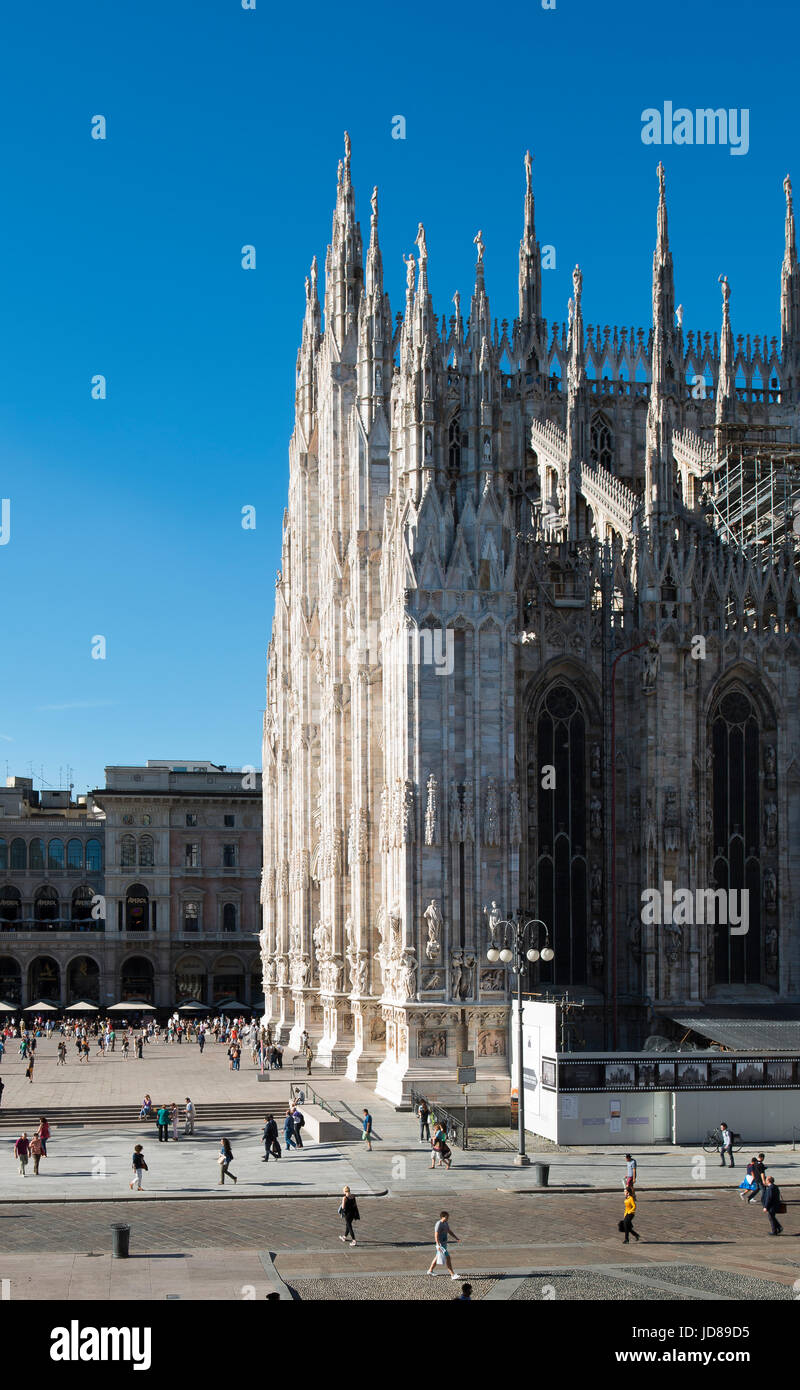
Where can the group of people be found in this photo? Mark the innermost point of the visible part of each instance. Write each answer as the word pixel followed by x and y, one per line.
pixel 35 1148
pixel 168 1117
pixel 441 1153
pixel 759 1185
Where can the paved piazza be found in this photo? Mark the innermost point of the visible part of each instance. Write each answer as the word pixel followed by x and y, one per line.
pixel 278 1228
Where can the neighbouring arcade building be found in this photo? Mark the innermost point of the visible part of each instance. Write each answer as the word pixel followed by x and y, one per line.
pixel 148 889
pixel 501 546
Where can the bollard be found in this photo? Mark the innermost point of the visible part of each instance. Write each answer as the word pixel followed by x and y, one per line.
pixel 541 1174
pixel 120 1240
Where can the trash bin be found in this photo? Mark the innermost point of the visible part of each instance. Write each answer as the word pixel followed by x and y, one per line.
pixel 541 1174
pixel 120 1240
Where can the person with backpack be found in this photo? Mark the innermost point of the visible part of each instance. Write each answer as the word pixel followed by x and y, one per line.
pixel 440 1149
pixel 299 1121
pixel 424 1115
pixel 626 1224
pixel 139 1166
pixel 269 1138
pixel 225 1160
pixel 348 1210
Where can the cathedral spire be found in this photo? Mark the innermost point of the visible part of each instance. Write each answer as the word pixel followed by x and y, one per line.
pixel 665 353
pixel 374 275
pixel 480 323
pixel 344 272
pixel 726 378
pixel 530 263
pixel 424 323
pixel 569 485
pixel 305 394
pixel 790 297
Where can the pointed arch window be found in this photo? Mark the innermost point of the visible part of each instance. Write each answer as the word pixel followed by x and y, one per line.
pixel 454 446
pixel 736 801
pixel 558 735
pixel 602 443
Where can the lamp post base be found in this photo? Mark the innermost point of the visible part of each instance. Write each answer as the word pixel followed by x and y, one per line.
pixel 521 1160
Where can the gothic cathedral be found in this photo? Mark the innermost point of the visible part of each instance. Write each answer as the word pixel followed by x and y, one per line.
pixel 536 648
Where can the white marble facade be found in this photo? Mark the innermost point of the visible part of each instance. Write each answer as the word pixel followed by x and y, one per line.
pixel 480 520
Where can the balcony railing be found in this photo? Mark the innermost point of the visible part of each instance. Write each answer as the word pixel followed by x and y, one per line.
pixel 30 924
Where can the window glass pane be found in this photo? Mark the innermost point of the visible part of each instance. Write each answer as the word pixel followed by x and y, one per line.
pixel 36 854
pixel 94 856
pixel 74 854
pixel 55 855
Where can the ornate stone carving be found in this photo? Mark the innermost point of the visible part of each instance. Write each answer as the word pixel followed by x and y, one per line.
pixel 514 816
pixel 383 829
pixel 596 818
pixel 363 836
pixel 671 821
pixel 770 764
pixel 673 939
pixel 491 1042
pixel 595 765
pixel 282 970
pixel 771 949
pixel 597 886
pixel 651 662
pixel 432 980
pixel 635 936
pixel 468 813
pixel 435 922
pixel 596 946
pixel 330 975
pixel 432 812
pixel 493 981
pixel 432 1044
pixel 491 815
pixel 770 890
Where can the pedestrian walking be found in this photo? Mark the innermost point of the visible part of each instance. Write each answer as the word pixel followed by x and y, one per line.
pixel 269 1137
pixel 288 1130
pixel 309 1056
pixel 366 1130
pixel 29 1070
pixel 348 1210
pixel 424 1116
pixel 173 1115
pixel 630 1173
pixel 139 1166
pixel 725 1143
pixel 442 1236
pixel 125 1047
pixel 62 1054
pixel 22 1150
pixel 139 1047
pixel 626 1224
pixel 773 1206
pixel 440 1150
pixel 188 1123
pixel 225 1160
pixel 44 1134
pixel 37 1153
pixel 162 1120
pixel 299 1121
pixel 201 1042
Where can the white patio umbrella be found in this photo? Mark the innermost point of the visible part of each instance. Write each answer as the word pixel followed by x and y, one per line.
pixel 192 1007
pixel 83 1008
pixel 235 1006
pixel 130 1006
pixel 8 1008
pixel 40 1007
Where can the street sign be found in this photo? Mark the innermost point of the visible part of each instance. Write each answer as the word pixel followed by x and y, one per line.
pixel 465 1059
pixel 466 1076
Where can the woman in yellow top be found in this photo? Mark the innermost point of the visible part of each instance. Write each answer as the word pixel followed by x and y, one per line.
pixel 627 1222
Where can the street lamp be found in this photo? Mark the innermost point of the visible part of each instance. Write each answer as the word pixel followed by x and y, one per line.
pixel 517 946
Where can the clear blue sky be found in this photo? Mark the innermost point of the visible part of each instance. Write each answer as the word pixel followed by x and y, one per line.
pixel 224 128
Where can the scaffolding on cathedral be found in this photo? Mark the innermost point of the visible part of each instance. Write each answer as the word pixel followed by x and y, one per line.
pixel 753 492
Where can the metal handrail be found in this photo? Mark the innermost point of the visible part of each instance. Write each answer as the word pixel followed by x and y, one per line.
pixel 453 1127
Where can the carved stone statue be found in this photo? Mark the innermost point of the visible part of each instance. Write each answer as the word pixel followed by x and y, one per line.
pixel 671 825
pixel 771 949
pixel 635 935
pixel 322 940
pixel 596 764
pixel 478 241
pixel 406 978
pixel 383 831
pixel 672 942
pixel 435 923
pixel 771 825
pixel 596 945
pixel 769 765
pixel 411 267
pixel 770 890
pixel 597 886
pixel 462 973
pixel 494 918
pixel 596 818
pixel 651 663
pixel 423 249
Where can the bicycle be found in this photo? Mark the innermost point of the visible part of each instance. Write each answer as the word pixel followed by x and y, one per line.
pixel 713 1140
